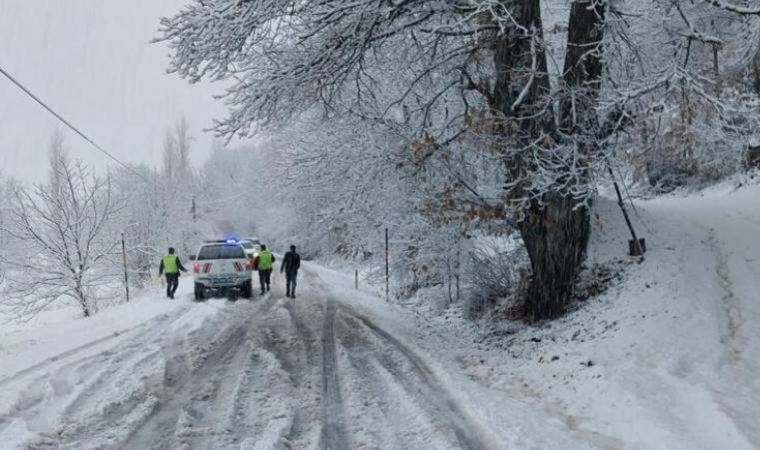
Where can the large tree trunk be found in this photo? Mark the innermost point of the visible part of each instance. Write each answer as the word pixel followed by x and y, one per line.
pixel 556 235
pixel 555 228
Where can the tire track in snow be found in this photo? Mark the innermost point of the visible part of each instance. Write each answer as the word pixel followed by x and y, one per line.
pixel 305 353
pixel 182 383
pixel 729 302
pixel 56 393
pixel 240 393
pixel 124 334
pixel 434 397
pixel 375 396
pixel 333 416
pixel 212 408
pixel 736 408
pixel 728 299
pixel 736 411
pixel 94 397
pixel 308 336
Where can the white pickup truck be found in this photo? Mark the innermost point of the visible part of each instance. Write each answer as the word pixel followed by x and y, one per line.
pixel 221 266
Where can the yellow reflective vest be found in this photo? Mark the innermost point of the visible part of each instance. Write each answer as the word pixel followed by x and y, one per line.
pixel 265 260
pixel 170 264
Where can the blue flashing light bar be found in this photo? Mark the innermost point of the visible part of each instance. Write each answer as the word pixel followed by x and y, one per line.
pixel 221 241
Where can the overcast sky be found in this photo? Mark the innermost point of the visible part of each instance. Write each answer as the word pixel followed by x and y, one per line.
pixel 92 61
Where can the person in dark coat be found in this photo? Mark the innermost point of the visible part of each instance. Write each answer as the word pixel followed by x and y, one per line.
pixel 171 266
pixel 290 265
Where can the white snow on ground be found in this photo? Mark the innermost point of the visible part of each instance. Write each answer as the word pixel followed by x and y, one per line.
pixel 502 421
pixel 45 350
pixel 62 329
pixel 667 359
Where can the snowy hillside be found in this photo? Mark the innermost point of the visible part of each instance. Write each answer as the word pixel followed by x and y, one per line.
pixel 92 61
pixel 669 357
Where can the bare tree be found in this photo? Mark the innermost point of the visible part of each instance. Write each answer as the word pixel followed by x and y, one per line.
pixel 170 157
pixel 177 152
pixel 59 229
pixel 183 139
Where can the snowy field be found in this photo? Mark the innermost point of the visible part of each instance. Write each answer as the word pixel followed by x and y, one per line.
pixel 667 359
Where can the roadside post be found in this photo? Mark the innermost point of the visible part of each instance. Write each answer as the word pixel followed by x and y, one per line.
pixel 124 260
pixel 387 271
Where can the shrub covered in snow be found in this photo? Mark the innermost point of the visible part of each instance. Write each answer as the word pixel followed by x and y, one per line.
pixel 498 268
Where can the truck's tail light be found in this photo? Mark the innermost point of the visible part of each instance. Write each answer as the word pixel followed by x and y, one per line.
pixel 196 267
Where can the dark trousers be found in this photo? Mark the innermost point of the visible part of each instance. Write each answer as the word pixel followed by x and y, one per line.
pixel 290 284
pixel 172 282
pixel 265 277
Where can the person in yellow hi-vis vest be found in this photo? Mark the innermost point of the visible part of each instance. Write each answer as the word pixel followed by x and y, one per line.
pixel 170 266
pixel 263 263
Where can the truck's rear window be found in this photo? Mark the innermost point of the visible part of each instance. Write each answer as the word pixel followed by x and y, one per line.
pixel 250 243
pixel 221 252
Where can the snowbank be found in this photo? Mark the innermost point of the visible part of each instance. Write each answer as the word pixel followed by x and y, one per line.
pixel 58 332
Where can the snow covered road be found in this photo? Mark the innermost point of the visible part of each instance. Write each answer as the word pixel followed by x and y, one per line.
pixel 725 271
pixel 668 359
pixel 268 373
pixel 675 351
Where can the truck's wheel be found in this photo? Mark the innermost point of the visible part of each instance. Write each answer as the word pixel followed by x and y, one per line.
pixel 199 291
pixel 246 289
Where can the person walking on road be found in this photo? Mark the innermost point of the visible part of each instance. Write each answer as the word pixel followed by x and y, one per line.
pixel 170 266
pixel 290 265
pixel 263 263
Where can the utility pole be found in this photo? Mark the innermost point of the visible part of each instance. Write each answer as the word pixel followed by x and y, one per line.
pixel 459 266
pixel 124 259
pixel 387 270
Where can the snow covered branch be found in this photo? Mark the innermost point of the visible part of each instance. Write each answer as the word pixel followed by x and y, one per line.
pixel 61 241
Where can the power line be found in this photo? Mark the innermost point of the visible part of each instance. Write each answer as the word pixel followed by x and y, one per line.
pixel 68 124
pixel 94 144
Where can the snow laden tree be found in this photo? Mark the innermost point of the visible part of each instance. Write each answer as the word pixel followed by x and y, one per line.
pixel 447 69
pixel 163 207
pixel 179 184
pixel 683 71
pixel 59 238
